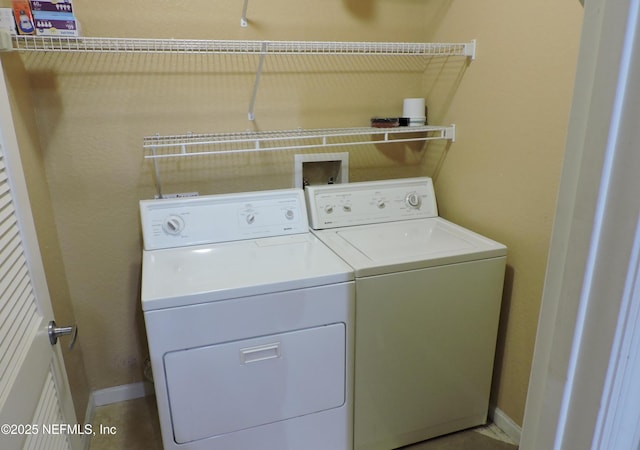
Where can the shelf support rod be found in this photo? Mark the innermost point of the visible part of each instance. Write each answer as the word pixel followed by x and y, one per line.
pixel 252 104
pixel 157 173
pixel 243 19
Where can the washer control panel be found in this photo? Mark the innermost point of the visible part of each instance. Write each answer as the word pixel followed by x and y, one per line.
pixel 342 205
pixel 209 219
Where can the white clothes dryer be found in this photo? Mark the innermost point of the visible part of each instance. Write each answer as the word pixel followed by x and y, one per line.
pixel 249 324
pixel 428 296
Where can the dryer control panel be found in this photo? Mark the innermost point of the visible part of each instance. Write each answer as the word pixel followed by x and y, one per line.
pixel 211 219
pixel 342 205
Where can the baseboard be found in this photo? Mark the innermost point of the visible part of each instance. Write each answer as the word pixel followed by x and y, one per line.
pixel 115 394
pixel 506 424
pixel 121 393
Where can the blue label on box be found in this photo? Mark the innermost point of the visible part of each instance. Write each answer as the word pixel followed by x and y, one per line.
pixel 62 6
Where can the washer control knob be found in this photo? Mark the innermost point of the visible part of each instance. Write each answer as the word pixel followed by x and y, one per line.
pixel 289 214
pixel 381 204
pixel 413 200
pixel 251 217
pixel 173 225
pixel 328 209
pixel 346 208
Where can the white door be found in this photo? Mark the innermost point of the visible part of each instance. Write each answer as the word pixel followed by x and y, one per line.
pixel 584 391
pixel 36 410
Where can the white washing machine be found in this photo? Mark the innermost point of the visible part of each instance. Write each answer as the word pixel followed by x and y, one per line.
pixel 249 323
pixel 428 295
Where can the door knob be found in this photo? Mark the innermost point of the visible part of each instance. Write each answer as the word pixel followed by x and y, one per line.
pixel 55 332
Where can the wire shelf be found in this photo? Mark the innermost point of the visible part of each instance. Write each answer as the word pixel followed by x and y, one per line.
pixel 158 147
pixel 129 45
pixel 259 48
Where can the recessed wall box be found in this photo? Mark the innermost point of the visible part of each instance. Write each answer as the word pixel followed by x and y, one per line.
pixel 321 168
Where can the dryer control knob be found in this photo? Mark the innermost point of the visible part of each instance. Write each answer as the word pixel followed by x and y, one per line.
pixel 328 209
pixel 289 214
pixel 250 218
pixel 173 225
pixel 381 204
pixel 413 200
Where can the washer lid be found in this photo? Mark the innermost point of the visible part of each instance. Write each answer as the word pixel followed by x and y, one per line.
pixel 206 273
pixel 407 245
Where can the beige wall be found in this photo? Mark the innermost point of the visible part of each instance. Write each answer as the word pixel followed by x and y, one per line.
pixel 500 176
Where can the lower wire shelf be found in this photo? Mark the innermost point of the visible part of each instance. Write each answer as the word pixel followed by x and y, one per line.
pixel 158 148
pixel 174 146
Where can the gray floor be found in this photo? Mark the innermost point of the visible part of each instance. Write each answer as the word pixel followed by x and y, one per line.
pixel 136 425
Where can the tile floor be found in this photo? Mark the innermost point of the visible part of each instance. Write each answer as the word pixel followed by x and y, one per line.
pixel 137 428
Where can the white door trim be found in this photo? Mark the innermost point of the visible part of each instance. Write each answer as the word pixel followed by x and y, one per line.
pixel 591 275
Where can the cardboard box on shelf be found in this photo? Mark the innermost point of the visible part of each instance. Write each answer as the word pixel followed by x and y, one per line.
pixel 55 24
pixel 23 17
pixel 61 6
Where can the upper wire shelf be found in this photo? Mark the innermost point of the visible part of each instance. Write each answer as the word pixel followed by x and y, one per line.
pixel 259 48
pixel 158 147
pixel 128 45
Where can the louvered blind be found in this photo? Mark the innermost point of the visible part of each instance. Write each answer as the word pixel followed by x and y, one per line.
pixel 47 414
pixel 19 316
